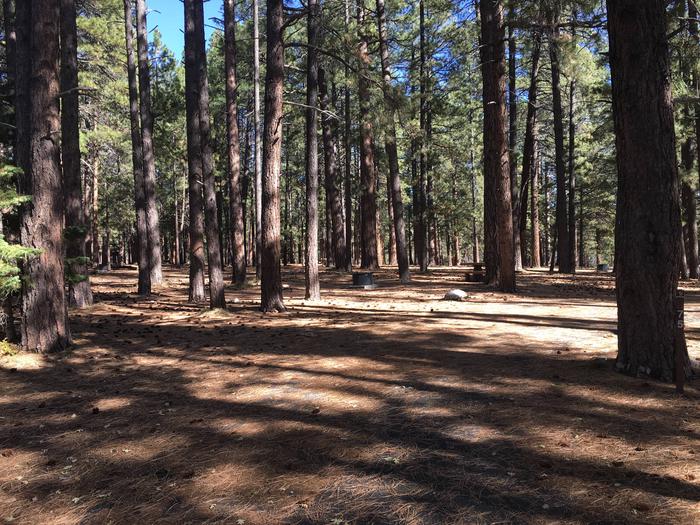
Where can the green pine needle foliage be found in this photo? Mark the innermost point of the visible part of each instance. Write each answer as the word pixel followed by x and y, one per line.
pixel 11 254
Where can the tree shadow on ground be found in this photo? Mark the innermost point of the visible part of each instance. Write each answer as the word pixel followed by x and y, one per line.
pixel 315 416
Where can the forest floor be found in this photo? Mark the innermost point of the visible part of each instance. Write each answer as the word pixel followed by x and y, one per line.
pixel 385 406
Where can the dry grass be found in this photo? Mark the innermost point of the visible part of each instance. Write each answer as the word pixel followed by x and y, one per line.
pixel 383 406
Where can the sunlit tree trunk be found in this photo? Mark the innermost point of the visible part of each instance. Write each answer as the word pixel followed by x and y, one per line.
pixel 194 158
pixel 648 229
pixel 233 147
pixel 271 276
pixel 529 152
pixel 313 289
pixel 495 142
pixel 149 159
pixel 44 313
pixel 79 291
pixel 368 202
pixel 562 226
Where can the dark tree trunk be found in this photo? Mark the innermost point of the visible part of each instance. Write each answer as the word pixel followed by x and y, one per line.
pixel 475 232
pixel 8 12
pixel 529 152
pixel 368 202
pixel 44 313
pixel 535 211
pixel 648 231
pixel 257 124
pixel 330 154
pixel 689 213
pixel 149 159
pixel 217 297
pixel 79 291
pixel 561 212
pixel 512 143
pixel 194 157
pixel 572 178
pixel 395 197
pixel 271 285
pixel 313 288
pixel 421 211
pixel 233 147
pixel 495 141
pixel 347 138
pixel 691 218
pixel 144 284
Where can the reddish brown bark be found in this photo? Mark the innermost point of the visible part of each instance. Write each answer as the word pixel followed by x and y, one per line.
pixel 368 179
pixel 79 291
pixel 271 276
pixel 234 150
pixel 496 167
pixel 44 318
pixel 648 233
pixel 144 279
pixel 149 159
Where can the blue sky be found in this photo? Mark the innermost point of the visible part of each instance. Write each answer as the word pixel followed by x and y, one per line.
pixel 168 15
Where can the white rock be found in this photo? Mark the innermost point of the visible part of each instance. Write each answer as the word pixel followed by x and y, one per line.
pixel 456 295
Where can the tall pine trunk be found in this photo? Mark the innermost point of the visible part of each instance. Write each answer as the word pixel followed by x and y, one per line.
pixel 144 282
pixel 529 150
pixel 368 201
pixel 394 181
pixel 313 289
pixel 513 141
pixel 535 212
pixel 44 313
pixel 79 291
pixel 271 276
pixel 233 147
pixel 258 136
pixel 572 178
pixel 211 219
pixel 9 14
pixel 562 226
pixel 149 159
pixel 194 158
pixel 648 233
pixel 330 155
pixel 421 211
pixel 496 169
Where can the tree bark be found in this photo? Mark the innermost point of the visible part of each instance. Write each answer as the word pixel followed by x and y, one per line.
pixel 691 218
pixel 44 313
pixel 330 155
pixel 217 297
pixel 194 157
pixel 396 200
pixel 368 202
pixel 495 141
pixel 79 291
pixel 313 288
pixel 529 152
pixel 561 211
pixel 421 211
pixel 257 124
pixel 144 282
pixel 512 142
pixel 347 179
pixel 149 159
pixel 535 211
pixel 271 276
pixel 9 14
pixel 648 229
pixel 233 147
pixel 572 177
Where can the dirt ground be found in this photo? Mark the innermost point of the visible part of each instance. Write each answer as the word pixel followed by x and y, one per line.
pixel 385 406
